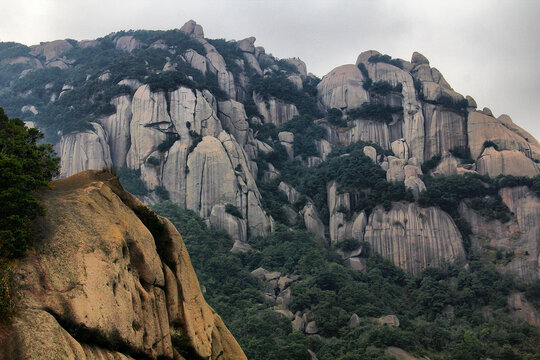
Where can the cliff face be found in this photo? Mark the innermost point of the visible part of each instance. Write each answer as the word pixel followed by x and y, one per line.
pixel 201 144
pixel 100 285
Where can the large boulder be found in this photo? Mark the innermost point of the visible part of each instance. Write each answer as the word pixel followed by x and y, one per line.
pixel 507 162
pixel 274 111
pixel 104 277
pixel 84 150
pixel 482 128
pixel 342 88
pixel 414 238
pixel 117 128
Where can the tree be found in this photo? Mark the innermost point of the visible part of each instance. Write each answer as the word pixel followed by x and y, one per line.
pixel 25 166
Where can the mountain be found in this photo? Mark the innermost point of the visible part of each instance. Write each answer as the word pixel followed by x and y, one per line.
pixel 108 280
pixel 379 165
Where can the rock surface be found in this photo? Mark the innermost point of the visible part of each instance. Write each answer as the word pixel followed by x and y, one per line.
pixel 414 238
pixel 84 150
pixel 95 269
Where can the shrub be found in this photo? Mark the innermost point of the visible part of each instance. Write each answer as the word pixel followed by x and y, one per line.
pixel 431 164
pixel 463 153
pixel 384 87
pixel 385 59
pixel 377 112
pixel 168 142
pixel 162 192
pixel 196 138
pixel 153 161
pixel 25 167
pixel 489 143
pixel 131 181
pixel 349 245
pixel 233 210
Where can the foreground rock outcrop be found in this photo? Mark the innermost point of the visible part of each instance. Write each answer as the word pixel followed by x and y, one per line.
pixel 102 285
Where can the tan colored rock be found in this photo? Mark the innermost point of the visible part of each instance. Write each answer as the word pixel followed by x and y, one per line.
pixel 275 111
pixel 507 162
pixel 234 120
pixel 389 320
pixel 311 328
pixel 354 321
pixel 297 81
pixel 523 310
pixel 103 273
pixel 414 238
pixel 483 128
pixel 127 43
pixel 399 354
pixel 215 62
pixel 444 131
pixel 371 153
pixel 117 127
pixel 132 83
pixel 84 150
pixel 419 59
pixel 196 60
pixel 342 88
pixel 292 194
pixel 234 226
pixel 324 148
pixel 471 103
pixel 510 237
pixel 364 56
pixel 396 169
pixel 51 50
pixel 298 64
pixel 312 220
pixel 298 324
pixel 400 149
pixel 365 130
pixel 448 166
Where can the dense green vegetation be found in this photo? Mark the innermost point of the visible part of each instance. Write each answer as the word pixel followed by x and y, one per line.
pixel 385 59
pixel 374 111
pixel 442 312
pixel 279 86
pixel 25 166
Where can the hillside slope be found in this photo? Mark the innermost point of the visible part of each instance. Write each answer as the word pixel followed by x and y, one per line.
pixel 109 280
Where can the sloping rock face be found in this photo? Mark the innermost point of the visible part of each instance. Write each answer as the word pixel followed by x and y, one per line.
pixel 84 150
pixel 97 288
pixel 274 111
pixel 482 128
pixel 342 88
pixel 507 162
pixel 414 238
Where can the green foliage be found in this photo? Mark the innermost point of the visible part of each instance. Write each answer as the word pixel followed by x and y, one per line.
pixel 153 161
pixel 7 307
pixel 279 86
pixel 162 192
pixel 306 132
pixel 349 245
pixel 533 293
pixel 449 103
pixel 463 153
pixel 377 112
pixel 489 143
pixel 196 138
pixel 10 50
pixel 333 292
pixel 233 210
pixel 363 70
pixel 25 167
pixel 385 59
pixel 335 117
pixel 131 181
pixel 383 87
pixel 168 142
pixel 230 52
pixel 431 164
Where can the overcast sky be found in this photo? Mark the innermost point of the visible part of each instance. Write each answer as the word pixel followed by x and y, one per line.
pixel 488 49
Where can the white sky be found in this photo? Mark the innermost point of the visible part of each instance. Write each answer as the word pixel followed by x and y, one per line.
pixel 488 49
